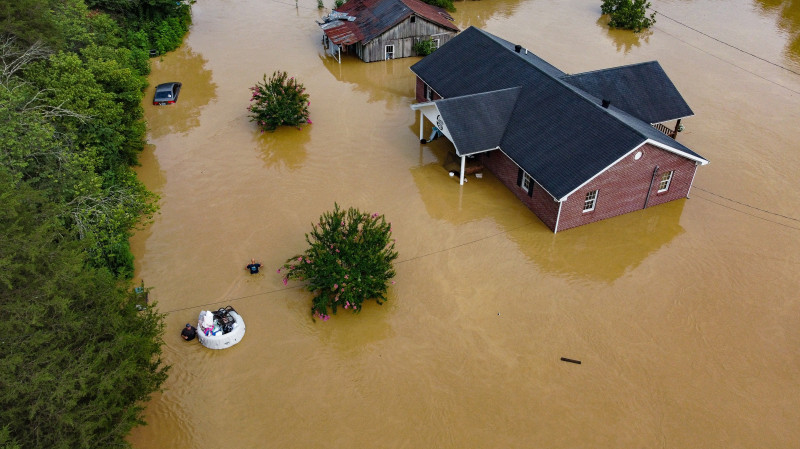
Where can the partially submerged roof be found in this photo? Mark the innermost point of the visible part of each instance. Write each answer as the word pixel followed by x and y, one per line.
pixel 559 134
pixel 364 20
pixel 643 90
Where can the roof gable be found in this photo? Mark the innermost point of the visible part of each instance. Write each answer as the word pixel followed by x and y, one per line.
pixel 557 133
pixel 643 90
pixel 477 122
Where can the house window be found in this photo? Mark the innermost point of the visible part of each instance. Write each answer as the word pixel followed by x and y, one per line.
pixel 435 43
pixel 428 92
pixel 666 179
pixel 390 52
pixel 591 200
pixel 527 182
pixel 413 19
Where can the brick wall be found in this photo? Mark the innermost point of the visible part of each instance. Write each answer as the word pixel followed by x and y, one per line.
pixel 420 92
pixel 623 187
pixel 541 203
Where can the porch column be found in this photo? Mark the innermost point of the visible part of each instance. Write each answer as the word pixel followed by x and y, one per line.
pixel 421 122
pixel 463 164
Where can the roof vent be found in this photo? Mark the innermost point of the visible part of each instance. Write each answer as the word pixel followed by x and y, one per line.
pixel 517 48
pixel 606 103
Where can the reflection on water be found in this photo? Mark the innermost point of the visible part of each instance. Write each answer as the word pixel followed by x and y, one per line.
pixel 624 40
pixel 285 147
pixel 788 12
pixel 185 66
pixel 387 81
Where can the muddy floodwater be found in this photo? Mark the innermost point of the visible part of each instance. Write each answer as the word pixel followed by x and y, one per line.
pixel 684 316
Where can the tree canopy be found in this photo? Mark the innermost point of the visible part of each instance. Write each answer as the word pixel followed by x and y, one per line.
pixel 80 356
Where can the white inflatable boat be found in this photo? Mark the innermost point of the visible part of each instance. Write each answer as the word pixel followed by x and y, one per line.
pixel 220 329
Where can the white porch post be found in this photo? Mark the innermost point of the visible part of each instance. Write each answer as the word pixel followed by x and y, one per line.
pixel 421 122
pixel 463 164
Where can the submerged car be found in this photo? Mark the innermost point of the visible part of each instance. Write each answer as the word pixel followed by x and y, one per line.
pixel 167 93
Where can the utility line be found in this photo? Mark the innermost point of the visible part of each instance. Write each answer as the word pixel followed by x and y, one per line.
pixel 725 43
pixel 747 205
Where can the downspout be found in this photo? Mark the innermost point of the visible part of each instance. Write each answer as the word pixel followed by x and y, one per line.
pixel 558 217
pixel 463 164
pixel 650 189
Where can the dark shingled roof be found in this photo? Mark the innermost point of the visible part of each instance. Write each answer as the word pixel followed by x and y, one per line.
pixel 556 132
pixel 374 17
pixel 643 90
pixel 477 122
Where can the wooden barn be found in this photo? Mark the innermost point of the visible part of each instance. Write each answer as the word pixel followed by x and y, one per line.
pixel 377 30
pixel 574 148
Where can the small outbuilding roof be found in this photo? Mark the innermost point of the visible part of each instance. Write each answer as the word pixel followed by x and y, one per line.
pixel 364 20
pixel 558 133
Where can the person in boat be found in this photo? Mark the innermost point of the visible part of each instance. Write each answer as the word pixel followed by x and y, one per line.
pixel 253 266
pixel 189 332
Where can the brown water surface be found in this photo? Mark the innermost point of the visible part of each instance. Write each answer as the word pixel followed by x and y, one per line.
pixel 685 316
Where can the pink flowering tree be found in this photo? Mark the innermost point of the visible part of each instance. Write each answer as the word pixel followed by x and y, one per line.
pixel 349 260
pixel 278 101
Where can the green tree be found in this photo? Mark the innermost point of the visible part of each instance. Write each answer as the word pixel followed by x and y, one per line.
pixel 424 47
pixel 81 359
pixel 278 101
pixel 628 14
pixel 349 260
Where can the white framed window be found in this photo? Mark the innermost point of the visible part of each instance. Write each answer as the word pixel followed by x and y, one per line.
pixel 435 43
pixel 428 92
pixel 389 50
pixel 590 201
pixel 666 180
pixel 527 183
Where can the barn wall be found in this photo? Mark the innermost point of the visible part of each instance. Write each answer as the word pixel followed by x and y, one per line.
pixel 403 36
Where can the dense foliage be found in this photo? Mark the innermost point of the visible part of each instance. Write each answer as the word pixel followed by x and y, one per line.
pixel 278 101
pixel 628 14
pixel 445 4
pixel 424 47
pixel 79 357
pixel 349 260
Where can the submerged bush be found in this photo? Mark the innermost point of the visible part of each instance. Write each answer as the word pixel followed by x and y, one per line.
pixel 349 260
pixel 424 47
pixel 628 14
pixel 278 101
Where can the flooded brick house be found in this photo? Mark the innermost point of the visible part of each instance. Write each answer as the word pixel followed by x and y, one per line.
pixel 574 148
pixel 377 30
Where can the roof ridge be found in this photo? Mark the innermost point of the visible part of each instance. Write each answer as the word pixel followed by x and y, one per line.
pixel 613 68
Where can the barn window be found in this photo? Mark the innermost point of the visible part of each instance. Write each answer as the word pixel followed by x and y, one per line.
pixel 590 201
pixel 435 43
pixel 390 52
pixel 413 19
pixel 666 179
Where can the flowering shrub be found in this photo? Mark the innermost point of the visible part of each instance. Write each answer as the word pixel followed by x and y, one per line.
pixel 349 260
pixel 278 101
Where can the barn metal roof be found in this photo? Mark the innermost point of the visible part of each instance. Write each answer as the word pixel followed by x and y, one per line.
pixel 364 20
